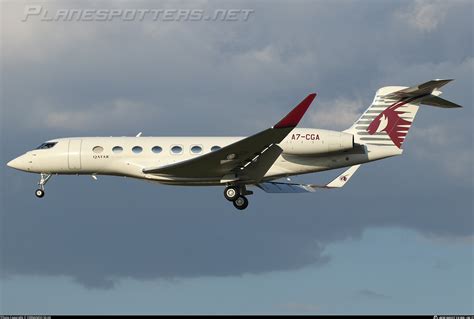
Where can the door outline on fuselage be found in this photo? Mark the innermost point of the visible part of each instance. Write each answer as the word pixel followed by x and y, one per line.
pixel 74 154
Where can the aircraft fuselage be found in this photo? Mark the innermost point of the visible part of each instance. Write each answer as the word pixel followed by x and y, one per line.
pixel 305 150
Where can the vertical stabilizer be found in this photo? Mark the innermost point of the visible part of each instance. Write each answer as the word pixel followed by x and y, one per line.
pixel 390 116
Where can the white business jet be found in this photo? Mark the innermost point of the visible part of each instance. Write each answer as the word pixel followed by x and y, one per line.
pixel 238 162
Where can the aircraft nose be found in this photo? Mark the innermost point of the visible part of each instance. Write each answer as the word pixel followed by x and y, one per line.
pixel 18 163
pixel 13 163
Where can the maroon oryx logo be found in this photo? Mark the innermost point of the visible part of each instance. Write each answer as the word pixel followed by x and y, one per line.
pixel 343 178
pixel 389 121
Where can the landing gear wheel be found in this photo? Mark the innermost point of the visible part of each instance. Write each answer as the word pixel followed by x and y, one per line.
pixel 39 193
pixel 241 202
pixel 231 193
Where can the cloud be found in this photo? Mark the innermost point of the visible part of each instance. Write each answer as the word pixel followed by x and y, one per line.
pixel 115 113
pixel 428 15
pixel 424 15
pixel 441 140
pixel 337 114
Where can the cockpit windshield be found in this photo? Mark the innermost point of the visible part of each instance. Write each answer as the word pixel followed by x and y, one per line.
pixel 45 146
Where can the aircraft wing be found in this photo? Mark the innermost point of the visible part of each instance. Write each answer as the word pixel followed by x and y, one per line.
pixel 249 158
pixel 278 187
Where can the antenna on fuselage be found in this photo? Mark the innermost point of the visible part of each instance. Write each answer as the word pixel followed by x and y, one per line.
pixel 139 134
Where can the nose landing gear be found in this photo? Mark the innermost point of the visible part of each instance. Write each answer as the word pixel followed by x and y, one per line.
pixel 39 193
pixel 236 194
pixel 44 178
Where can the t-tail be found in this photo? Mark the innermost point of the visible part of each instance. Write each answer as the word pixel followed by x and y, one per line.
pixel 388 119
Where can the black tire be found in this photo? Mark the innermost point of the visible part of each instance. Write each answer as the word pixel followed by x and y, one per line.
pixel 241 202
pixel 231 193
pixel 39 193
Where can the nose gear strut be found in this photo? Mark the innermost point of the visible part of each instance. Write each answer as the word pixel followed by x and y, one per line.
pixel 44 178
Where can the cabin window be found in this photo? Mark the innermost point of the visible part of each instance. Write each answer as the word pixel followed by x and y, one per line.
pixel 98 149
pixel 137 149
pixel 46 146
pixel 176 149
pixel 215 148
pixel 196 149
pixel 117 149
pixel 156 149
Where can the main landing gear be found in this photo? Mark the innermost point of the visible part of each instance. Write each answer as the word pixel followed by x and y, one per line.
pixel 241 202
pixel 236 194
pixel 44 178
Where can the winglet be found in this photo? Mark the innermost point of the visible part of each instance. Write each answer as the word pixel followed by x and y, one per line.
pixel 293 118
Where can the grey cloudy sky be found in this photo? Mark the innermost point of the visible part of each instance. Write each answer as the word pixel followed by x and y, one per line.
pixel 228 78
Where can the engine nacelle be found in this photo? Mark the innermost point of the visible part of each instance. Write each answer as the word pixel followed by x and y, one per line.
pixel 304 141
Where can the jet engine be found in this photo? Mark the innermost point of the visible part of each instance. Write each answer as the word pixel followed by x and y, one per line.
pixel 315 141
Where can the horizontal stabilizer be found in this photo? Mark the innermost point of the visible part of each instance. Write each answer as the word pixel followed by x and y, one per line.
pixel 279 187
pixel 421 89
pixel 342 179
pixel 434 100
pixel 428 93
